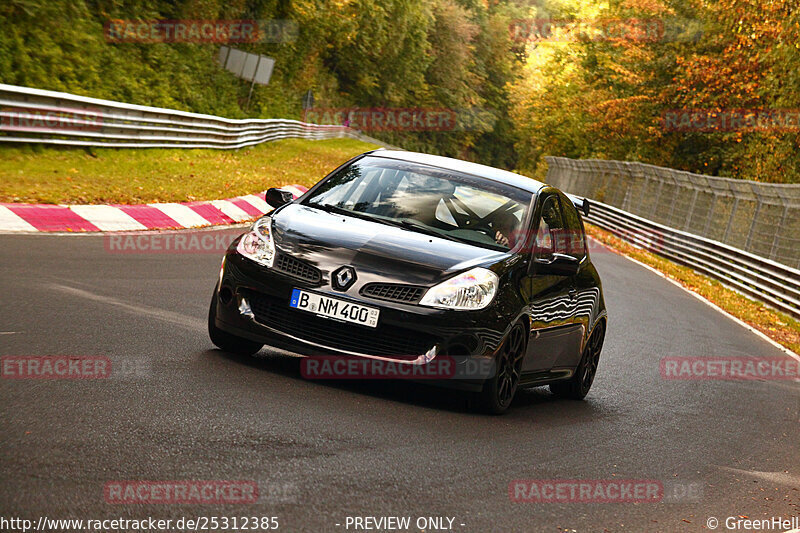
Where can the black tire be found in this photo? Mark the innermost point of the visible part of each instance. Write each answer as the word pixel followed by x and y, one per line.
pixel 498 392
pixel 578 386
pixel 224 340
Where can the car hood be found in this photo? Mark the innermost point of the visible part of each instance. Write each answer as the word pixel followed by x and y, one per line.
pixel 378 252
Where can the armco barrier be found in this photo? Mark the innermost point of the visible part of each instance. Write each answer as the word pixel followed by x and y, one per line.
pixel 760 218
pixel 38 116
pixel 762 279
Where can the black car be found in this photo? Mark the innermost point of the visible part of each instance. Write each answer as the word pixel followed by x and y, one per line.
pixel 409 258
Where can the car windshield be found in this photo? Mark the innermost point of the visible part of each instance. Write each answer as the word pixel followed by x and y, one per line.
pixel 427 199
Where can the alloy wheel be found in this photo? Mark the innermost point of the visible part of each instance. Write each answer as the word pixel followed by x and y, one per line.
pixel 509 364
pixel 592 358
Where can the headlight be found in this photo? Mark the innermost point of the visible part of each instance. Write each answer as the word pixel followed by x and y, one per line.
pixel 471 290
pixel 258 244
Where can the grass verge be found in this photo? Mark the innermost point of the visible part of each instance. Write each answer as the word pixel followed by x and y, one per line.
pixel 134 176
pixel 778 326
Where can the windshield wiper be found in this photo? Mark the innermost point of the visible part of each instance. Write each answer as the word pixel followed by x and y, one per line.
pixel 329 208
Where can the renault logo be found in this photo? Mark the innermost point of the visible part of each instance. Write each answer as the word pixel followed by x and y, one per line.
pixel 343 278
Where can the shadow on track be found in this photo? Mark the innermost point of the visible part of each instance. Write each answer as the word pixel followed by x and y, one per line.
pixel 537 402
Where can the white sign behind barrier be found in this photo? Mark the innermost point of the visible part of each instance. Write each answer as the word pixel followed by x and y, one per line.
pixel 251 67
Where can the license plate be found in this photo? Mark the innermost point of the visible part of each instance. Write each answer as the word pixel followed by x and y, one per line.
pixel 334 308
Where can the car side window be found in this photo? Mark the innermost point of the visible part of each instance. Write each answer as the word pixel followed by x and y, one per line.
pixel 574 240
pixel 551 226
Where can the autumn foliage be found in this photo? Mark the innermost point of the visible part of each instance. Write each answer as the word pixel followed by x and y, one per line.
pixel 583 79
pixel 607 98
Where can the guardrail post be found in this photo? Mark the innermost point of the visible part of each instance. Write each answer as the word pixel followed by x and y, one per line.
pixel 774 248
pixel 626 200
pixel 690 212
pixel 753 224
pixel 710 213
pixel 658 194
pixel 645 185
pixel 730 220
pixel 678 186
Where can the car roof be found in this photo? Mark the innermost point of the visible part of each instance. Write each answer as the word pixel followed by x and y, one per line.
pixel 466 167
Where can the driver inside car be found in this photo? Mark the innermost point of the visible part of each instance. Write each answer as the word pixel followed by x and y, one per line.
pixel 506 229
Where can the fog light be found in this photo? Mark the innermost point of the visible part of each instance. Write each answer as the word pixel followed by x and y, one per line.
pixel 244 309
pixel 429 355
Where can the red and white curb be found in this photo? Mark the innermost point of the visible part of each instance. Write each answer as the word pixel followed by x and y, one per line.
pixel 83 218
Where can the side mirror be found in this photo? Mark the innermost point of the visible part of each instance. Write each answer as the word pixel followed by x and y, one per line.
pixel 278 197
pixel 557 264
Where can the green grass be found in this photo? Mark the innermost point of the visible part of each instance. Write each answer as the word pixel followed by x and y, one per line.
pixel 132 176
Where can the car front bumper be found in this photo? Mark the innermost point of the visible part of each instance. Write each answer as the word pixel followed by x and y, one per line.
pixel 253 303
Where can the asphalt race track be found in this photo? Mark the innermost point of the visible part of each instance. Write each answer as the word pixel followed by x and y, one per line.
pixel 322 451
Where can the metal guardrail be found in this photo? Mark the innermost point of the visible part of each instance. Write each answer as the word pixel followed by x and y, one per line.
pixel 81 121
pixel 762 279
pixel 49 117
pixel 746 235
pixel 761 218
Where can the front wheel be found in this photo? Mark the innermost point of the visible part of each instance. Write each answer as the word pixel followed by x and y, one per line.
pixel 578 386
pixel 224 340
pixel 498 392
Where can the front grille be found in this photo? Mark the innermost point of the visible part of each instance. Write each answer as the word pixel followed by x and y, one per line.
pixel 297 269
pixel 393 292
pixel 382 340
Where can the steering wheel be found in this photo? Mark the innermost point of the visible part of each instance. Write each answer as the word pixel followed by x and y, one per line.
pixel 471 220
pixel 462 220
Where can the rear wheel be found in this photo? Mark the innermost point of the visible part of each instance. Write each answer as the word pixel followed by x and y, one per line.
pixel 578 386
pixel 498 392
pixel 224 340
